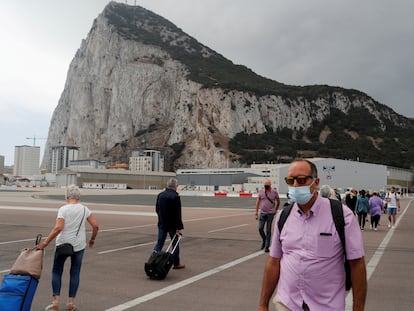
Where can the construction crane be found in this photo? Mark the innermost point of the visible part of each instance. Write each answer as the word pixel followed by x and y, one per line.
pixel 34 139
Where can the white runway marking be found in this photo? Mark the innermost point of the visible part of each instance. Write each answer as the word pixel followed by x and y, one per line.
pixel 227 228
pixel 375 259
pixel 25 208
pixel 17 241
pixel 126 228
pixel 166 290
pixel 124 248
pixel 45 209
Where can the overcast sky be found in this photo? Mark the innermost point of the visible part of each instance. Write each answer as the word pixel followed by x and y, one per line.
pixel 365 45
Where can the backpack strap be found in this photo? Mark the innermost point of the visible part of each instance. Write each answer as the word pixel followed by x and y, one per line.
pixel 338 218
pixel 284 214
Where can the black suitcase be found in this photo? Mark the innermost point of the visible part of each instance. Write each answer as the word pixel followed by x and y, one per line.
pixel 159 264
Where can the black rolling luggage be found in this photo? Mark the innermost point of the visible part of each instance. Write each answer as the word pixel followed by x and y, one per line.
pixel 159 264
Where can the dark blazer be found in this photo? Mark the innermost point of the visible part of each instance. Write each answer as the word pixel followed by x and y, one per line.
pixel 168 208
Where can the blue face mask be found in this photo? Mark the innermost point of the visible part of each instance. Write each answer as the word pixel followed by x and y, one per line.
pixel 300 195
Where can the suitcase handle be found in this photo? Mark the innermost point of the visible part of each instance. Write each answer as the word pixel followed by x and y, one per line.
pixel 179 236
pixel 38 239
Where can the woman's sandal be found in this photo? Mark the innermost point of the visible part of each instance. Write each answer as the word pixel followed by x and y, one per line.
pixel 70 306
pixel 52 307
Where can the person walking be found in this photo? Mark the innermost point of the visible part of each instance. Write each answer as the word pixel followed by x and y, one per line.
pixel 69 228
pixel 306 259
pixel 362 208
pixel 350 199
pixel 268 200
pixel 375 210
pixel 327 192
pixel 393 203
pixel 168 208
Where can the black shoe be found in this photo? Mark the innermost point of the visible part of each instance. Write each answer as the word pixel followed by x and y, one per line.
pixel 266 250
pixel 263 245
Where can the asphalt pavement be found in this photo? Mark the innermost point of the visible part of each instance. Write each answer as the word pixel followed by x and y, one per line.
pixel 220 248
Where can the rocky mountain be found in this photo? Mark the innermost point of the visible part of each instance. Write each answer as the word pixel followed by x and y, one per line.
pixel 138 81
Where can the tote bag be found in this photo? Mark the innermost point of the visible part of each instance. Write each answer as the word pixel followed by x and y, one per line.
pixel 29 262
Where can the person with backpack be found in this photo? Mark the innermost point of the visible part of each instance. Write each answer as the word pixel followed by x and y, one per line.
pixel 268 200
pixel 306 259
pixel 393 203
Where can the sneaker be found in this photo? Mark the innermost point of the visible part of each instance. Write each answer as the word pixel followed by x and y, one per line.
pixel 393 227
pixel 375 229
pixel 370 226
pixel 179 266
pixel 389 225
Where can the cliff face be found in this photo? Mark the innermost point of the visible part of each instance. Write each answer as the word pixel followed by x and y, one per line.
pixel 126 90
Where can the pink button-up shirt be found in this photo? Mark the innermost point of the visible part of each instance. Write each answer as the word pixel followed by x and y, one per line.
pixel 266 207
pixel 311 265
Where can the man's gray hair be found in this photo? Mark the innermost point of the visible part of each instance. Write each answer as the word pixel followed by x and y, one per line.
pixel 73 192
pixel 325 191
pixel 172 183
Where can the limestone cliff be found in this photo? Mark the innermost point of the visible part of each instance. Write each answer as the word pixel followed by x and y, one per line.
pixel 137 80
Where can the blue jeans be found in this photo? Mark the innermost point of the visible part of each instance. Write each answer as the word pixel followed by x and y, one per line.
pixel 162 235
pixel 75 267
pixel 268 220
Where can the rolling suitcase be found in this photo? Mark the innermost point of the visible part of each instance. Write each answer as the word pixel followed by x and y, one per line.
pixel 159 264
pixel 17 292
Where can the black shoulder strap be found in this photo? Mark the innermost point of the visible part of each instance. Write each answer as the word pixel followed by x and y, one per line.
pixel 84 211
pixel 284 214
pixel 273 202
pixel 338 218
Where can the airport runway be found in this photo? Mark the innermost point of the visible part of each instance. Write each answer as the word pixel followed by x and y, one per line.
pixel 220 248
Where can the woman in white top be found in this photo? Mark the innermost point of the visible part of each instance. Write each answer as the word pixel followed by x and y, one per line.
pixel 70 228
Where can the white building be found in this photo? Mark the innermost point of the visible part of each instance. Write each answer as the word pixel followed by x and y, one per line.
pixel 61 157
pixel 341 174
pixel 26 160
pixel 87 163
pixel 146 161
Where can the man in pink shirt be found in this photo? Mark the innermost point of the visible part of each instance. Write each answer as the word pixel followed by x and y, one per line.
pixel 268 201
pixel 306 261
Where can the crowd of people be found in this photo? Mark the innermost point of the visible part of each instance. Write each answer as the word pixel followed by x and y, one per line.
pixel 364 203
pixel 305 267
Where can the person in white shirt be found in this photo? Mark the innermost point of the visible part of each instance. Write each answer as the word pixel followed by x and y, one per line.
pixel 70 228
pixel 393 203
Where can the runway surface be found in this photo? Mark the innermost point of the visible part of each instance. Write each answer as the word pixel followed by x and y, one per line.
pixel 220 248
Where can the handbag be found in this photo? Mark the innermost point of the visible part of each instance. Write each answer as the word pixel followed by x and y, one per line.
pixel 66 249
pixel 29 262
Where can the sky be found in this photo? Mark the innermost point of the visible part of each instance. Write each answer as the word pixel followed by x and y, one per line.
pixel 365 45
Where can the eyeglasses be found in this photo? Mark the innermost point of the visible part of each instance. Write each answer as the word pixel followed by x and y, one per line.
pixel 301 179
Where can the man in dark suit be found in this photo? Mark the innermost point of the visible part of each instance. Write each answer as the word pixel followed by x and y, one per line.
pixel 168 208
